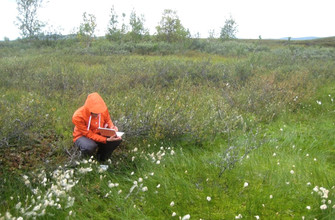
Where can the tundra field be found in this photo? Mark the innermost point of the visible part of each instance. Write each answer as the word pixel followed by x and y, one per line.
pixel 241 129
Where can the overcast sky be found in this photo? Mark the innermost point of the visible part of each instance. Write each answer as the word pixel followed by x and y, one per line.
pixel 265 18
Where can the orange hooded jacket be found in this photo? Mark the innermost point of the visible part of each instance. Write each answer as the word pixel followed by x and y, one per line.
pixel 87 125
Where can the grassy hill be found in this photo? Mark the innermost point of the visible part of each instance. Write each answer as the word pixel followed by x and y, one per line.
pixel 213 130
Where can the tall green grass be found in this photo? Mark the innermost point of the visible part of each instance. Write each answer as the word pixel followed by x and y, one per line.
pixel 240 130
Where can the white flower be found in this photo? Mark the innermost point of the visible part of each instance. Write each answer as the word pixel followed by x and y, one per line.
pixel 274 154
pixel 70 212
pixel 324 192
pixel 8 215
pixel 159 185
pixel 158 162
pixel 245 184
pixel 186 217
pixel 319 102
pixel 257 217
pixel 133 158
pixel 172 204
pixel 131 190
pixel 238 217
pixel 18 206
pixel 173 214
pixel 70 202
pixel 172 152
pixel 135 149
pixel 209 198
pixel 140 180
pixel 85 170
pixel 36 208
pixel 111 185
pixel 308 184
pixel 323 207
pixel 144 189
pixel 119 192
pixel 308 207
pixel 271 196
pixel 292 171
pixel 151 174
pixel 132 173
pixel 20 218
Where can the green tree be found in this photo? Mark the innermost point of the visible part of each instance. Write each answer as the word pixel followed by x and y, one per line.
pixel 170 28
pixel 87 29
pixel 137 27
pixel 229 30
pixel 124 27
pixel 28 22
pixel 212 34
pixel 113 33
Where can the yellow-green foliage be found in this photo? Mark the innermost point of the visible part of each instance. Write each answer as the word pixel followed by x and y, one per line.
pixel 194 95
pixel 223 130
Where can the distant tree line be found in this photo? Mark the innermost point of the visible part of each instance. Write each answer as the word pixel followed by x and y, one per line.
pixel 169 29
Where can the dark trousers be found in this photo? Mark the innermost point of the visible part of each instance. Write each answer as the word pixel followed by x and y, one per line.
pixel 89 147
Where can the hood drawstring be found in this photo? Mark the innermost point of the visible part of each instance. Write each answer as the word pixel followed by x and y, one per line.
pixel 89 122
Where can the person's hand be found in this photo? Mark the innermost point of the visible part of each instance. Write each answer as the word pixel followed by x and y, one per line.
pixel 115 128
pixel 114 138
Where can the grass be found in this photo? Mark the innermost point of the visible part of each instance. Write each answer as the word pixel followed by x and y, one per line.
pixel 215 136
pixel 191 175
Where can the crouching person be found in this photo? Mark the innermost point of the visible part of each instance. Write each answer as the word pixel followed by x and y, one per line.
pixel 87 119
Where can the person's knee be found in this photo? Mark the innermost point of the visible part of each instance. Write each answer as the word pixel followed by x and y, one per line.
pixel 89 149
pixel 87 146
pixel 114 143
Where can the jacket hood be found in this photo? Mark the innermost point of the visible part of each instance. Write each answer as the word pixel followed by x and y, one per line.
pixel 95 104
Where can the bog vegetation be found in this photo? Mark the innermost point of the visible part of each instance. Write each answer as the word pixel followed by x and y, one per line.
pixel 215 129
